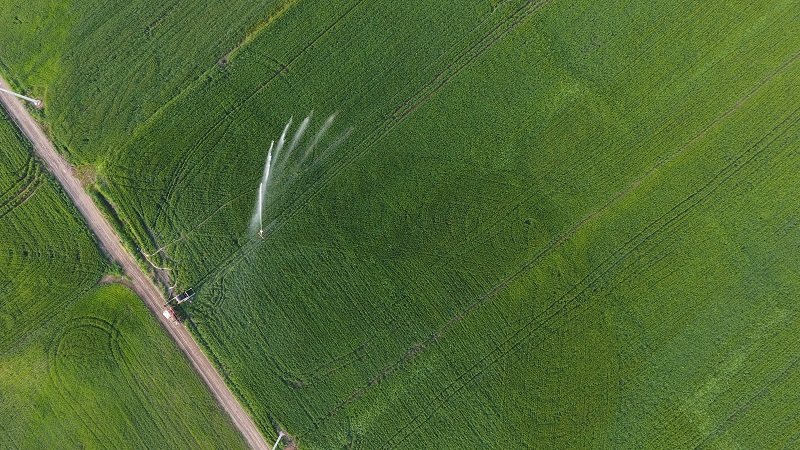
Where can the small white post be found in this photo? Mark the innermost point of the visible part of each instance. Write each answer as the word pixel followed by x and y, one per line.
pixel 32 100
pixel 280 435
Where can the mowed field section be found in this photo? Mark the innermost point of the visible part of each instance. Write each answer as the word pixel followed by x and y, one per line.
pixel 82 364
pixel 547 224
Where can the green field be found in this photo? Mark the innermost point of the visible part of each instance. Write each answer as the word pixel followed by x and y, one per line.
pixel 82 365
pixel 549 224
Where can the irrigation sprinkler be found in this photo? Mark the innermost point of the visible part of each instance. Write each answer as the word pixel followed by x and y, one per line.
pixel 279 157
pixel 262 189
pixel 280 435
pixel 258 208
pixel 35 102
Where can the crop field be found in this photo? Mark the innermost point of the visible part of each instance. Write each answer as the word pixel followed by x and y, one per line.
pixel 141 53
pixel 82 365
pixel 514 224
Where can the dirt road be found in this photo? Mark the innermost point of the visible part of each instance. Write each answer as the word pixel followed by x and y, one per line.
pixel 143 286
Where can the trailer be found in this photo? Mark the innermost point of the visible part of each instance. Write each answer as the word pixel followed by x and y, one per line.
pixel 185 296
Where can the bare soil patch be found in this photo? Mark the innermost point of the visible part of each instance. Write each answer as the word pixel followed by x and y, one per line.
pixel 86 174
pixel 111 279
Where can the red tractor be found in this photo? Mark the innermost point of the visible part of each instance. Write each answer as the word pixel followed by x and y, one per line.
pixel 170 314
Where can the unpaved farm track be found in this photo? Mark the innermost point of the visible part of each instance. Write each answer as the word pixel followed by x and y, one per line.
pixel 142 285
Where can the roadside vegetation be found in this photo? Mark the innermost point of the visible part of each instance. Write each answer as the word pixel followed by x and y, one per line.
pixel 548 224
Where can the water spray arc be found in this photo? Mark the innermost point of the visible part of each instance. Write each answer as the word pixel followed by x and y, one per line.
pixel 282 139
pixel 318 137
pixel 259 208
pixel 299 134
pixel 262 190
pixel 284 167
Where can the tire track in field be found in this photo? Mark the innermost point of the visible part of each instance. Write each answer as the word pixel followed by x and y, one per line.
pixel 259 27
pixel 129 372
pixel 614 262
pixel 299 201
pixel 387 126
pixel 6 433
pixel 56 378
pixel 183 170
pixel 43 319
pixel 508 207
pixel 467 57
pixel 194 228
pixel 413 351
pixel 729 420
pixel 177 173
pixel 29 172
pixel 190 86
pixel 721 425
pixel 621 255
pixel 86 279
pixel 522 196
pixel 20 198
pixel 334 365
pixel 22 189
pixel 517 202
pixel 226 265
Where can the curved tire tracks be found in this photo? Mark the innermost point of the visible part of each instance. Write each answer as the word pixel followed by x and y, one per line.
pixel 143 286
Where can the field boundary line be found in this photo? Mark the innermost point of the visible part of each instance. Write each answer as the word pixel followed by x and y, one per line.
pixel 144 287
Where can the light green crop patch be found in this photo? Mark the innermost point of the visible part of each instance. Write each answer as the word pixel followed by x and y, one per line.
pixel 82 365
